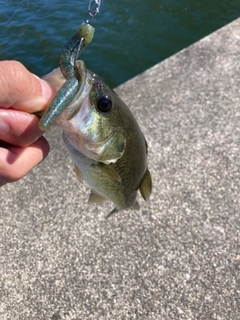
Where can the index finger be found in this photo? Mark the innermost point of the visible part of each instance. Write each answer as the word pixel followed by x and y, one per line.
pixel 21 90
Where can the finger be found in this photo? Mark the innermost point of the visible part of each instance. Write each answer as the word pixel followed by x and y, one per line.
pixel 16 162
pixel 18 128
pixel 55 78
pixel 21 90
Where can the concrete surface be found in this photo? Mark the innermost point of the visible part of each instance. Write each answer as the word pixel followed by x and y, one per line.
pixel 176 258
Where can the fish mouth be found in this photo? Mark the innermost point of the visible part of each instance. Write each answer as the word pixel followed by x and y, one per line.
pixel 84 88
pixel 88 79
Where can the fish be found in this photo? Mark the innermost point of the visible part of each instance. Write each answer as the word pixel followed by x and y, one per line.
pixel 103 138
pixel 105 143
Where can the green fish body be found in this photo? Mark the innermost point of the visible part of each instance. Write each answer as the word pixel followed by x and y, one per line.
pixel 106 145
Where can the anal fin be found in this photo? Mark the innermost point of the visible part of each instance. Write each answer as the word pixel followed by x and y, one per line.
pixel 112 212
pixel 135 206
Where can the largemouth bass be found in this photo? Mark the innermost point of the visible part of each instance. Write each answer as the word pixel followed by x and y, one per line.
pixel 105 143
pixel 101 134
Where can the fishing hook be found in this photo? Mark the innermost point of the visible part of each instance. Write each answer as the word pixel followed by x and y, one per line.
pixel 93 10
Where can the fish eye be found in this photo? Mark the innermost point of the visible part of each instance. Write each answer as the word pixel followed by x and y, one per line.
pixel 104 104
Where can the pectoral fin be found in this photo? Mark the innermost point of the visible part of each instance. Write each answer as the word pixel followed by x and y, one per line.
pixel 146 186
pixel 109 170
pixel 78 173
pixel 96 198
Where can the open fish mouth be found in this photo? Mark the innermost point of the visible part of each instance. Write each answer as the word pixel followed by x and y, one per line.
pixel 83 92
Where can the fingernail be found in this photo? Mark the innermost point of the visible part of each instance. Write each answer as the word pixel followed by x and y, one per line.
pixel 4 127
pixel 47 91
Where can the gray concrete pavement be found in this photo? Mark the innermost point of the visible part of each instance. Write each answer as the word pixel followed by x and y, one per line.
pixel 176 258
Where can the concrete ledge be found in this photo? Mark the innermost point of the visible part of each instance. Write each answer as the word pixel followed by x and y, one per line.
pixel 177 258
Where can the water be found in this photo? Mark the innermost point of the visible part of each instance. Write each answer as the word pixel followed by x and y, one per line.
pixel 130 36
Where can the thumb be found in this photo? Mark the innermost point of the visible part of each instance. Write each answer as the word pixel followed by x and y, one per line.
pixel 21 90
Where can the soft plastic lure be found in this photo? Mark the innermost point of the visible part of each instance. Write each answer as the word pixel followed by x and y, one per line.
pixel 74 74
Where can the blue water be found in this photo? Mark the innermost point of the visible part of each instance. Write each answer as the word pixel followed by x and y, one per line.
pixel 130 36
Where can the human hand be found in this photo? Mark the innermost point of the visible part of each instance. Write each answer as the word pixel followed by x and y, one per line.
pixel 22 146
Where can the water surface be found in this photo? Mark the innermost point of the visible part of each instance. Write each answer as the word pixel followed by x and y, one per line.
pixel 130 36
